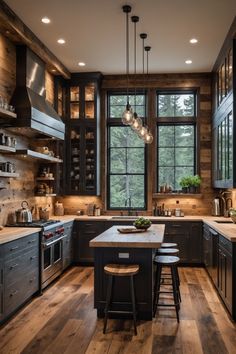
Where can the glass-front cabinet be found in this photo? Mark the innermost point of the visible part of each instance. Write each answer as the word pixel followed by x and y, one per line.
pixel 82 125
pixel 223 124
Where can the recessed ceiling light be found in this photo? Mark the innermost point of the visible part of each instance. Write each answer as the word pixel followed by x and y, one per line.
pixel 81 63
pixel 61 41
pixel 53 70
pixel 46 20
pixel 188 61
pixel 193 41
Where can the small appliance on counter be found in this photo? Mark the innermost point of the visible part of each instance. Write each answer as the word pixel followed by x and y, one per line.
pixel 58 209
pixel 24 215
pixel 216 210
pixel 43 213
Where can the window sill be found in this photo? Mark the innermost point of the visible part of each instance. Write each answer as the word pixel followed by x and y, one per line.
pixel 179 195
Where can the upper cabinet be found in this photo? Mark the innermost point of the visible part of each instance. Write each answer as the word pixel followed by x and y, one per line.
pixel 82 119
pixel 224 117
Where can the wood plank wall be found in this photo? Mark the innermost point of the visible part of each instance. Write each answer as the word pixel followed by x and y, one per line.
pixel 202 82
pixel 22 188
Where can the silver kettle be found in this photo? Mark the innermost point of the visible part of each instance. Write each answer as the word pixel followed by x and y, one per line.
pixel 24 214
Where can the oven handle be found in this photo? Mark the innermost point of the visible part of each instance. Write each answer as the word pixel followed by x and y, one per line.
pixel 44 245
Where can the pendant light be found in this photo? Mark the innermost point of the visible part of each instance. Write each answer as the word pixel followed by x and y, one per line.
pixel 137 122
pixel 148 137
pixel 127 116
pixel 143 130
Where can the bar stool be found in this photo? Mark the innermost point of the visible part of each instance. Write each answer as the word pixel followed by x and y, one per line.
pixel 171 262
pixel 120 270
pixel 168 244
pixel 169 252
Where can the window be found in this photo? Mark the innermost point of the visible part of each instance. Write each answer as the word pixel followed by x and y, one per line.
pixel 176 137
pixel 126 157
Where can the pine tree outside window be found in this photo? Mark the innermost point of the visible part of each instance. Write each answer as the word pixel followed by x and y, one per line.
pixel 126 180
pixel 176 137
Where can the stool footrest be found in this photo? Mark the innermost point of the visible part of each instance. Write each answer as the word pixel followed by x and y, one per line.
pixel 120 312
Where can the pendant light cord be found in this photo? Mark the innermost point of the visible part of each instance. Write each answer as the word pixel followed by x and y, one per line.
pixel 127 54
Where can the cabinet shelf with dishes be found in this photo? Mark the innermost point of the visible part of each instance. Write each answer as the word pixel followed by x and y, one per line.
pixel 82 119
pixel 5 113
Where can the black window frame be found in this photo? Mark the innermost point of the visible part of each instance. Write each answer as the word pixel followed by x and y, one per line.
pixel 117 122
pixel 175 121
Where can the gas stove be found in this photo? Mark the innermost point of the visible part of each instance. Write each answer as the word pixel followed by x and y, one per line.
pixel 44 224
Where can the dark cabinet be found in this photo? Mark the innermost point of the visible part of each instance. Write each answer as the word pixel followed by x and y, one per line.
pixel 188 236
pixel 83 232
pixel 82 148
pixel 19 273
pixel 210 252
pixel 223 126
pixel 225 272
pixel 67 245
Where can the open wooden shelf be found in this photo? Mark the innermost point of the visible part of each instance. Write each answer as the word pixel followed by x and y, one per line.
pixel 8 174
pixel 177 195
pixel 46 195
pixel 45 179
pixel 6 149
pixel 34 155
pixel 4 113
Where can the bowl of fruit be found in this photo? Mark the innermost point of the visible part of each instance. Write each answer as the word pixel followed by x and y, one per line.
pixel 232 213
pixel 142 223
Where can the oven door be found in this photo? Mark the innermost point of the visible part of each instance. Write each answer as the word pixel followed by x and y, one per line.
pixel 51 265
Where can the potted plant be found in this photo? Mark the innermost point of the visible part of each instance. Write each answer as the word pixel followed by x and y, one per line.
pixel 195 182
pixel 185 184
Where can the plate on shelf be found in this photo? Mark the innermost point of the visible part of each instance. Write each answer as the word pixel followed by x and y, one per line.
pixel 130 230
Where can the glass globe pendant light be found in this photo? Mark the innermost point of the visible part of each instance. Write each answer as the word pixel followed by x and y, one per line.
pixel 127 116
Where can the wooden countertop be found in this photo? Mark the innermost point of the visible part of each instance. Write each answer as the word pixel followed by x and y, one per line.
pixel 152 238
pixel 226 230
pixel 13 233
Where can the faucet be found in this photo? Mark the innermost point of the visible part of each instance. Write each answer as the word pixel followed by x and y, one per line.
pixel 128 202
pixel 226 203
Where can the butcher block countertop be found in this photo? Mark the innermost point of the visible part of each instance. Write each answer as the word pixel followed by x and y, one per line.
pixel 13 233
pixel 151 238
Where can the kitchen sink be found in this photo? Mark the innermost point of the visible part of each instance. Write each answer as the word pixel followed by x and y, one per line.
pixel 224 221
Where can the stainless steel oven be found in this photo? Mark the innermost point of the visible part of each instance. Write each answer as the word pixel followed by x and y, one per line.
pixel 51 253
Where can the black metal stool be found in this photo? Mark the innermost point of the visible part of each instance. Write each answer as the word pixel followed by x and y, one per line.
pixel 171 262
pixel 120 270
pixel 169 252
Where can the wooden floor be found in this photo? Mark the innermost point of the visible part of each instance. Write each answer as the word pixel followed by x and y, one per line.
pixel 63 321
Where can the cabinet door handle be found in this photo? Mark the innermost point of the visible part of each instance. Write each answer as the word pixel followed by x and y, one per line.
pixel 14 248
pixel 176 225
pixel 13 266
pixel 31 280
pixel 31 241
pixel 14 293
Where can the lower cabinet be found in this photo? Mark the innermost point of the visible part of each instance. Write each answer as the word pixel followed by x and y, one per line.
pixel 225 272
pixel 188 236
pixel 67 245
pixel 19 273
pixel 83 232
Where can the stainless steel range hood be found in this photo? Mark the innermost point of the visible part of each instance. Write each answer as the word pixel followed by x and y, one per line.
pixel 35 116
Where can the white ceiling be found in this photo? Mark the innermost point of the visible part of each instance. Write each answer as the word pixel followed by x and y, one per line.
pixel 94 31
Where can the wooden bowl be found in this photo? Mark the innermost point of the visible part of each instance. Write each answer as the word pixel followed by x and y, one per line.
pixel 143 227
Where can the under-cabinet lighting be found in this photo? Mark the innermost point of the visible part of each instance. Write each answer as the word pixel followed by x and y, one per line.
pixel 81 63
pixel 46 20
pixel 61 41
pixel 193 40
pixel 188 61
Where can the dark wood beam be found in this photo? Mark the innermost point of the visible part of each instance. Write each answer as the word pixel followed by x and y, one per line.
pixel 12 26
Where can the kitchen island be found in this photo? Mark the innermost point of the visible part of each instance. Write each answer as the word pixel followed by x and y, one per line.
pixel 137 248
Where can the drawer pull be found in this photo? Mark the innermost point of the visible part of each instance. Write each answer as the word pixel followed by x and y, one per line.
pixel 31 241
pixel 14 248
pixel 176 225
pixel 13 266
pixel 14 293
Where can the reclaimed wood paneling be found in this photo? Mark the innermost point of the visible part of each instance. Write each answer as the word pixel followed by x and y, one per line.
pixel 202 83
pixel 49 85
